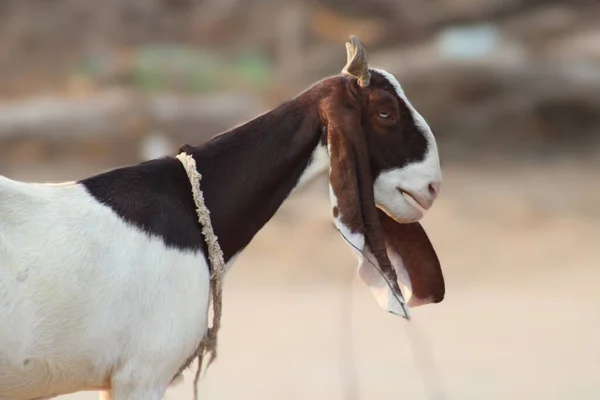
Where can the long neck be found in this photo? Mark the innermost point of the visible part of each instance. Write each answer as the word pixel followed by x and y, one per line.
pixel 248 172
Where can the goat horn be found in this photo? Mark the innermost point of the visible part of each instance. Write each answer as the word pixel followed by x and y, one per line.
pixel 357 64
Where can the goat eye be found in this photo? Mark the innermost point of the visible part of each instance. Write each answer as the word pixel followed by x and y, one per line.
pixel 384 115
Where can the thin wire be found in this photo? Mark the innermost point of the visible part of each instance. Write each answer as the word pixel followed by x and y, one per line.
pixel 425 364
pixel 347 363
pixel 419 345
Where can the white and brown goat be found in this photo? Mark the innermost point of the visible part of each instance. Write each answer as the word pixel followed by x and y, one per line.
pixel 104 282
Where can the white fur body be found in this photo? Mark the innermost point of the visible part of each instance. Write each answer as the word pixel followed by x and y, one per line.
pixel 88 301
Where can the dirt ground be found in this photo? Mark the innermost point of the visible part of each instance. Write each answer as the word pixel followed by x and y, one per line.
pixel 521 319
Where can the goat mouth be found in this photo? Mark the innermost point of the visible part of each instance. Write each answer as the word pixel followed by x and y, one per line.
pixel 416 201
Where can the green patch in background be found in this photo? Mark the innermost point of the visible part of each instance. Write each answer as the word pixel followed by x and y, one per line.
pixel 167 67
pixel 183 68
pixel 253 69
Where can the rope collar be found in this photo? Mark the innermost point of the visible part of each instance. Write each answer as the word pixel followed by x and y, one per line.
pixel 208 345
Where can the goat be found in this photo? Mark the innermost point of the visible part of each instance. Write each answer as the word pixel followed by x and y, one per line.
pixel 104 282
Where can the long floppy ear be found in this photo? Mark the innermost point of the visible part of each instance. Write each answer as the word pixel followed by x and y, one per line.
pixel 390 254
pixel 352 197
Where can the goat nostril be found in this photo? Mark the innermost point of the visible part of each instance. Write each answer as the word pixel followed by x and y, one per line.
pixel 433 189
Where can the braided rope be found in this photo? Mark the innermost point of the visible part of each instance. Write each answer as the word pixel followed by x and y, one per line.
pixel 208 345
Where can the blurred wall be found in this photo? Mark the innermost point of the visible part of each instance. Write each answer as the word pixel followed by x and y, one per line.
pixel 496 79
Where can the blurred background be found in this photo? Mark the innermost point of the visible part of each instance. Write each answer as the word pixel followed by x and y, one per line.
pixel 511 89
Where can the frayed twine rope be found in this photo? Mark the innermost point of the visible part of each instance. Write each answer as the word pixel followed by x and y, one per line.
pixel 215 256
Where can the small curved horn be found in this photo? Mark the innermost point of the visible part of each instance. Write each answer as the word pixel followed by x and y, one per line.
pixel 357 64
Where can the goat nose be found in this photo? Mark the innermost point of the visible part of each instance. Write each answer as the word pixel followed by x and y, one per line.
pixel 434 189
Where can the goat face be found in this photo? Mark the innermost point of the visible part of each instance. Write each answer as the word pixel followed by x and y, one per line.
pixel 402 154
pixel 402 150
pixel 397 146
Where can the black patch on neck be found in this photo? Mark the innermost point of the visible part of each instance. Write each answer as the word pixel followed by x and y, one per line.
pixel 247 173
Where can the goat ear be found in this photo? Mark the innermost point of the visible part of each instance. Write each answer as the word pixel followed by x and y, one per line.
pixel 352 197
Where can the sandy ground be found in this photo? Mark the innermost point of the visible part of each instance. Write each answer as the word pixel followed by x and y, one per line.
pixel 521 319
